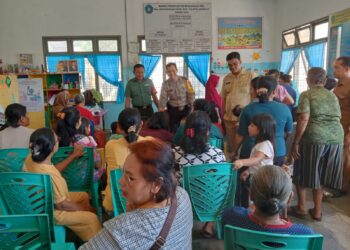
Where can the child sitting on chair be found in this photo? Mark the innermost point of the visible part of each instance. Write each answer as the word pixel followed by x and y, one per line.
pixel 72 209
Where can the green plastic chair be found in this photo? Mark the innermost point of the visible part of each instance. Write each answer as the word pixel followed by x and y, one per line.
pixel 29 193
pixel 216 142
pixel 28 232
pixel 12 159
pixel 119 202
pixel 245 239
pixel 211 188
pixel 79 174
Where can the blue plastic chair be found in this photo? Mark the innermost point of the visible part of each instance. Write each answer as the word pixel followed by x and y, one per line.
pixel 12 159
pixel 119 202
pixel 29 193
pixel 216 142
pixel 28 232
pixel 241 238
pixel 79 174
pixel 211 188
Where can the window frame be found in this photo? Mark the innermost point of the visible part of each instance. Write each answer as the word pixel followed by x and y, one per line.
pixel 301 27
pixel 95 50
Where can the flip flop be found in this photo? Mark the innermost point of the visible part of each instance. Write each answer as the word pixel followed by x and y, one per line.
pixel 313 216
pixel 293 211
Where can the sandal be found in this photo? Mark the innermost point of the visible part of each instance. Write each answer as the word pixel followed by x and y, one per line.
pixel 205 234
pixel 311 210
pixel 293 211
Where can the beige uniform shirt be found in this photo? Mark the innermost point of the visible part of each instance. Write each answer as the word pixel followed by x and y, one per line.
pixel 15 137
pixel 235 91
pixel 342 91
pixel 179 93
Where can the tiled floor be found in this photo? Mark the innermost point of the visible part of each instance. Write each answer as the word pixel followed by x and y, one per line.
pixel 335 227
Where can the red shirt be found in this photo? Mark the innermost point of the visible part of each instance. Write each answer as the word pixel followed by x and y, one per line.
pixel 86 113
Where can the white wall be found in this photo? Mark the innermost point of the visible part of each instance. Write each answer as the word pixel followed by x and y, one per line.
pixel 292 13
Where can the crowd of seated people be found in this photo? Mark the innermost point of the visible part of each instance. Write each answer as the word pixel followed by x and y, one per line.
pixel 152 158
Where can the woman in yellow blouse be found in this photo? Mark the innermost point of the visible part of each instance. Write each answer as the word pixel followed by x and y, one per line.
pixel 71 209
pixel 116 151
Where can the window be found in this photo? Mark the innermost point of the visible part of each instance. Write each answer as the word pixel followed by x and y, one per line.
pixel 158 75
pixel 321 31
pixel 301 36
pixel 71 47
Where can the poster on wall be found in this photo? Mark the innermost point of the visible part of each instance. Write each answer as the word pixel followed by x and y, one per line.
pixel 31 94
pixel 240 33
pixel 8 93
pixel 177 28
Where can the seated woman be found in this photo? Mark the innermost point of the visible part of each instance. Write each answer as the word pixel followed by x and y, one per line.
pixel 70 134
pixel 194 149
pixel 271 190
pixel 15 134
pixel 72 209
pixel 199 105
pixel 116 151
pixel 158 126
pixel 149 186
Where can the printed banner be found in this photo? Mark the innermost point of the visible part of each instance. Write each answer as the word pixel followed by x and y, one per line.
pixel 240 33
pixel 31 94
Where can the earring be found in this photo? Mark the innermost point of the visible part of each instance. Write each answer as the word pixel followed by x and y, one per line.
pixel 154 198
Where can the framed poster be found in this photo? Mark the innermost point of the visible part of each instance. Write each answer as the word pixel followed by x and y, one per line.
pixel 240 33
pixel 177 28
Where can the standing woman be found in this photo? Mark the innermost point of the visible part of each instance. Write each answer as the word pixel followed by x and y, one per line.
pixel 61 102
pixel 116 151
pixel 266 90
pixel 15 134
pixel 318 144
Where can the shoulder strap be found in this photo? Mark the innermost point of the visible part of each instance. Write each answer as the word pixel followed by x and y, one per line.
pixel 161 239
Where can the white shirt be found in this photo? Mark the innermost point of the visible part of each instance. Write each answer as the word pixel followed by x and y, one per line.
pixel 15 137
pixel 266 148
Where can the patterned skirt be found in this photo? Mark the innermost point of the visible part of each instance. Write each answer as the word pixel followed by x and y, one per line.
pixel 319 165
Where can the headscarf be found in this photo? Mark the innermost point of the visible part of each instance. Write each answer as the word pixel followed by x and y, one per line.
pixel 211 93
pixel 61 101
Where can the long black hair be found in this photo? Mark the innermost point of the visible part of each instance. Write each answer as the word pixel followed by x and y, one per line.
pixel 66 128
pixel 85 123
pixel 13 114
pixel 266 125
pixel 197 127
pixel 130 121
pixel 265 86
pixel 41 144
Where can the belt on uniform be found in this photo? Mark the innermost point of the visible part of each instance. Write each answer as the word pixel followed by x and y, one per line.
pixel 142 107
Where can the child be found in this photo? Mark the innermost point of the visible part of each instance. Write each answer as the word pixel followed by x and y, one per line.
pixel 82 138
pixel 117 133
pixel 72 209
pixel 263 127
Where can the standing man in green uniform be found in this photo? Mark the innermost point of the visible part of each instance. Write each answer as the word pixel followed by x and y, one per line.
pixel 139 92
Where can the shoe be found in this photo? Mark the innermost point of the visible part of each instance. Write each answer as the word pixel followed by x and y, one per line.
pixel 311 213
pixel 339 193
pixel 293 211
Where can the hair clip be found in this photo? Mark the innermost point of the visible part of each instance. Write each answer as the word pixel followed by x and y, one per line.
pixel 61 115
pixel 35 150
pixel 260 91
pixel 132 129
pixel 190 132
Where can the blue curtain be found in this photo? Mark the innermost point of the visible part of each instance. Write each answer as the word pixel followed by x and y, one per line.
pixel 107 67
pixel 315 54
pixel 150 62
pixel 288 58
pixel 199 64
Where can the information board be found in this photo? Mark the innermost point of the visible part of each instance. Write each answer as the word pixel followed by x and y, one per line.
pixel 178 28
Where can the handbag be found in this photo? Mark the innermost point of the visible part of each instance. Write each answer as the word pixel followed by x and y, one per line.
pixel 161 239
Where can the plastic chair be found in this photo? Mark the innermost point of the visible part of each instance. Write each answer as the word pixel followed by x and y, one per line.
pixel 12 159
pixel 119 202
pixel 79 174
pixel 211 188
pixel 28 232
pixel 216 142
pixel 29 193
pixel 241 238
